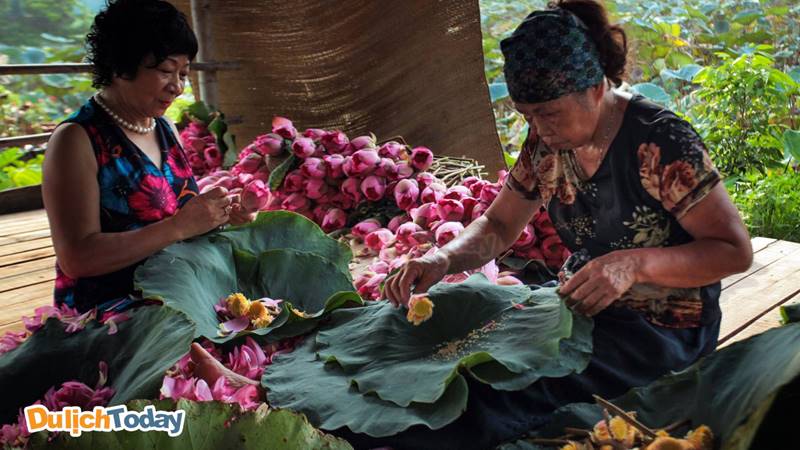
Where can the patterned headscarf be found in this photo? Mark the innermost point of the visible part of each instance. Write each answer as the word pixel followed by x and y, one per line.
pixel 550 55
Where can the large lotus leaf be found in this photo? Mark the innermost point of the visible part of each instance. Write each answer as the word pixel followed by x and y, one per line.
pixel 475 322
pixel 288 230
pixel 730 390
pixel 51 356
pixel 208 425
pixel 302 382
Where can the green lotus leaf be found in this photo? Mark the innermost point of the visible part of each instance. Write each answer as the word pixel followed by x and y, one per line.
pixel 51 356
pixel 732 391
pixel 474 323
pixel 302 382
pixel 208 425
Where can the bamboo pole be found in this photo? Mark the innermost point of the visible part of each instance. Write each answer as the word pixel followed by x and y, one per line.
pixel 201 22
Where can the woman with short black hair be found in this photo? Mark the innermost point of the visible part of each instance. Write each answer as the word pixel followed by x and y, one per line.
pixel 117 185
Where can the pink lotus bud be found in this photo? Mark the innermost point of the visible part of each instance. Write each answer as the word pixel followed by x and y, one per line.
pixel 379 267
pixel 270 144
pixel 405 232
pixel 501 177
pixel 295 202
pixel 319 151
pixel 334 141
pixel 450 210
pixel 477 187
pixel 387 168
pixel 425 214
pixel 425 179
pixel 479 209
pixel 351 188
pixel 365 227
pixel 552 248
pixel 244 178
pixel 526 238
pixel 319 212
pixel 469 181
pixel 406 194
pixel 294 181
pixel 194 144
pixel 303 147
pixel 207 181
pixel 313 168
pixel 433 193
pixel 262 174
pixel 393 150
pixel 469 205
pixel 314 133
pixel 255 196
pixel 363 142
pixel 404 170
pixel 373 187
pixel 225 182
pixel 371 290
pixel 421 158
pixel 334 163
pixel 361 163
pixel 379 239
pixel 250 164
pixel 316 188
pixel 489 192
pixel 334 220
pixel 396 221
pixel 448 231
pixel 541 221
pixel 458 193
pixel 283 127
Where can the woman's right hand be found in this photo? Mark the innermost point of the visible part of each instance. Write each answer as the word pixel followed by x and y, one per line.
pixel 203 213
pixel 422 273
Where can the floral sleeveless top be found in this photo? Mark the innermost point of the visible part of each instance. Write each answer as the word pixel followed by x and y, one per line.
pixel 133 193
pixel 655 170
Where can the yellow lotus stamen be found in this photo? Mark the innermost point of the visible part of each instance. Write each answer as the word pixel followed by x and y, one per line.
pixel 238 304
pixel 259 315
pixel 420 309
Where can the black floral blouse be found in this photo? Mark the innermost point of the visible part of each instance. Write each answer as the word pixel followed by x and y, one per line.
pixel 655 170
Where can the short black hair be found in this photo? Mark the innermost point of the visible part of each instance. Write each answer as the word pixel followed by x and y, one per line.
pixel 127 31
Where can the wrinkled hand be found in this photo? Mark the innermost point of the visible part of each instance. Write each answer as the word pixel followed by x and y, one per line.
pixel 422 273
pixel 600 282
pixel 238 215
pixel 203 213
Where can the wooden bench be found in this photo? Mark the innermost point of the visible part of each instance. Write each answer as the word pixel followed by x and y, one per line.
pixel 749 300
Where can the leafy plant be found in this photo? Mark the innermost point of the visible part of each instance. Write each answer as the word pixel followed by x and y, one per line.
pixel 770 205
pixel 17 170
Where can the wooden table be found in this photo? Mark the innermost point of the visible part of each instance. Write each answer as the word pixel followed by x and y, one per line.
pixel 749 300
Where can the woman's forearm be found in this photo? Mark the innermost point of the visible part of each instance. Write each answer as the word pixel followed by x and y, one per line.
pixel 479 243
pixel 695 264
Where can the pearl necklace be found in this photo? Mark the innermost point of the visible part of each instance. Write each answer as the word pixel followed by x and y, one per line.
pixel 124 123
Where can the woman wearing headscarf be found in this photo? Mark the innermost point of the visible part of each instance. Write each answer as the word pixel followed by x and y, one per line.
pixel 632 192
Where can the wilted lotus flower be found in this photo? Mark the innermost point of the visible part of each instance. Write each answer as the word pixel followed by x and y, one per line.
pixel 294 181
pixel 421 158
pixel 406 231
pixel 450 210
pixel 526 238
pixel 270 144
pixel 404 170
pixel 351 188
pixel 314 168
pixel 361 163
pixel 396 221
pixel 259 315
pixel 335 141
pixel 316 189
pixel 393 150
pixel 295 202
pixel 448 231
pixel 255 196
pixel 334 163
pixel 365 227
pixel 314 133
pixel 433 193
pixel 458 193
pixel 283 127
pixel 387 168
pixel 335 219
pixel 489 192
pixel 406 194
pixel 237 304
pixel 249 164
pixel 420 309
pixel 248 359
pixel 425 179
pixel 379 238
pixel 373 187
pixel 303 147
pixel 363 142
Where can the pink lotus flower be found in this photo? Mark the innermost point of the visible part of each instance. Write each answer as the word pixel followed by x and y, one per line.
pixel 351 188
pixel 552 247
pixel 404 170
pixel 373 187
pixel 361 163
pixel 255 196
pixel 458 193
pixel 424 179
pixel 448 231
pixel 363 142
pixel 393 150
pixel 270 144
pixel 450 210
pixel 294 181
pixel 526 238
pixel 489 192
pixel 335 219
pixel 406 231
pixel 303 147
pixel 406 194
pixel 245 396
pixel 365 227
pixel 396 221
pixel 334 163
pixel 421 158
pixel 425 214
pixel 387 168
pixel 295 202
pixel 316 188
pixel 283 127
pixel 249 164
pixel 313 168
pixel 248 359
pixel 335 141
pixel 75 393
pixel 371 289
pixel 379 238
pixel 433 193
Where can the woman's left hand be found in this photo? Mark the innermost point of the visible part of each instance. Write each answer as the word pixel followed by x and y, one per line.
pixel 601 282
pixel 239 217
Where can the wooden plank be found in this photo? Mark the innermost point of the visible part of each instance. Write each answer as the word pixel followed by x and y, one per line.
pixel 28 225
pixel 25 268
pixel 762 259
pixel 27 279
pixel 19 247
pixel 16 326
pixel 7 219
pixel 33 292
pixel 759 243
pixel 769 320
pixel 757 294
pixel 26 256
pixel 25 236
pixel 14 313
